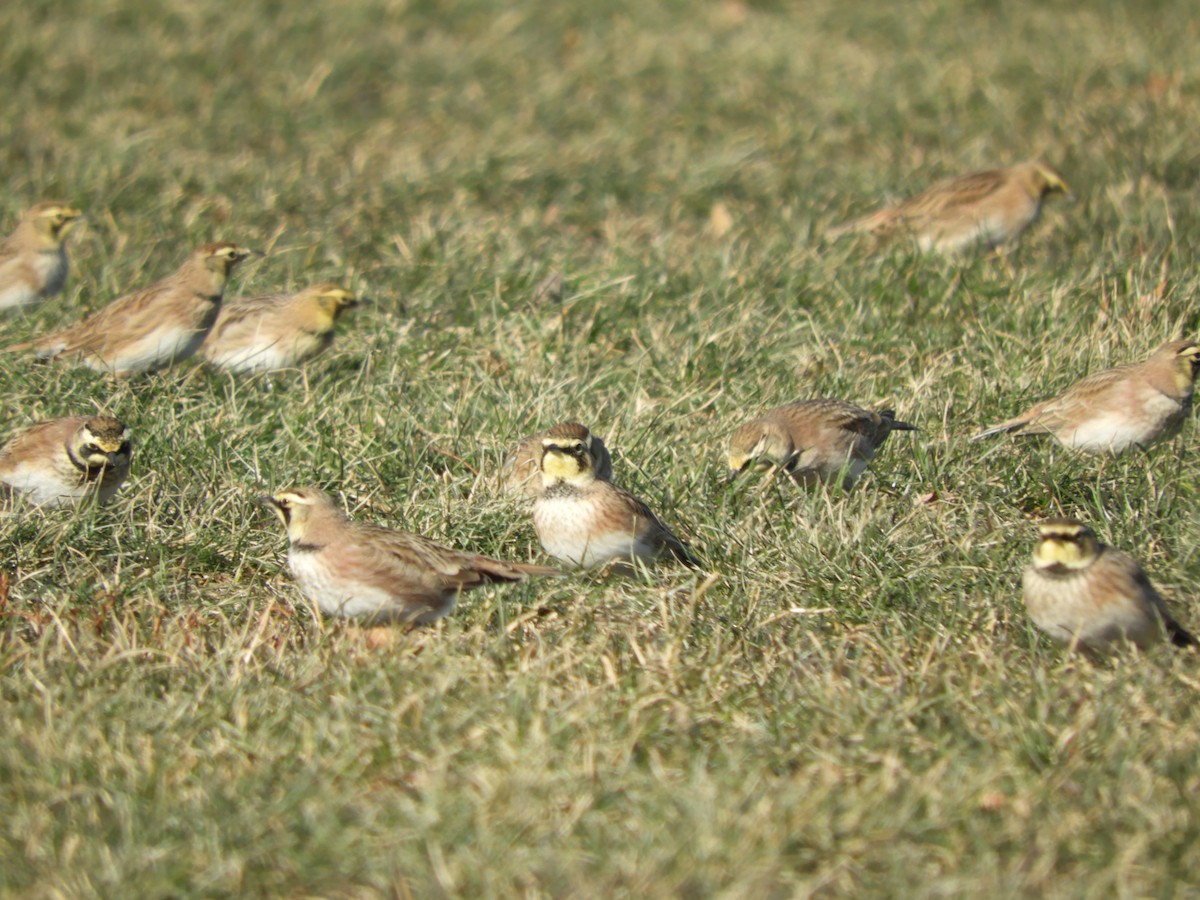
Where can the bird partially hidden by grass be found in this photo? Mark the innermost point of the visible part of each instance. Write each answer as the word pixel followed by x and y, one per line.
pixel 68 460
pixel 33 259
pixel 1110 411
pixel 584 521
pixel 151 328
pixel 1086 594
pixel 993 207
pixel 276 331
pixel 378 575
pixel 814 441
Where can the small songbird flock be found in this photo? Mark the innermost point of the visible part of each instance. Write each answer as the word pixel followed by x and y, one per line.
pixel 1080 592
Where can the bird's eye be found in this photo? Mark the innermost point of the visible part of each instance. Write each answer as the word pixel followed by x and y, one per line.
pixel 92 448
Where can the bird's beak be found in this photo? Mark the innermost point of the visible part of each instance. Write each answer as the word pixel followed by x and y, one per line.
pixel 731 475
pixel 113 458
pixel 276 507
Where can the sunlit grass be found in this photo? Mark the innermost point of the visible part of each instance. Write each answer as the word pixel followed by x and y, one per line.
pixel 853 703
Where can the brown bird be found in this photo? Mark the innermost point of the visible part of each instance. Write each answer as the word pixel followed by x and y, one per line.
pixel 993 207
pixel 369 573
pixel 154 327
pixel 1084 593
pixel 523 466
pixel 33 259
pixel 813 440
pixel 587 522
pixel 277 331
pixel 67 460
pixel 1114 409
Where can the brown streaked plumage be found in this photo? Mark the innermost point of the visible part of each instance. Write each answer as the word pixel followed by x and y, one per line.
pixel 1084 593
pixel 375 574
pixel 523 467
pixel 67 460
pixel 993 207
pixel 813 440
pixel 154 327
pixel 33 259
pixel 276 331
pixel 584 521
pixel 1115 409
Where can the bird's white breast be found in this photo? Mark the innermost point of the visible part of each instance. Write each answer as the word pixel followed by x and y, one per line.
pixel 1114 432
pixel 1070 609
pixel 348 598
pixel 575 531
pixel 45 486
pixel 257 356
pixel 154 350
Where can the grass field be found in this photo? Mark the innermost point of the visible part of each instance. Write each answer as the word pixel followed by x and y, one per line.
pixel 847 699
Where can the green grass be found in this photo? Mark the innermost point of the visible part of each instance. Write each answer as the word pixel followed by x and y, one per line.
pixel 854 703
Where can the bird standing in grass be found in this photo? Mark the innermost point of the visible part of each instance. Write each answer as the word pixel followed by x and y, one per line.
pixel 1084 593
pixel 67 460
pixel 584 521
pixel 33 259
pixel 374 574
pixel 1115 409
pixel 993 207
pixel 277 331
pixel 813 440
pixel 154 327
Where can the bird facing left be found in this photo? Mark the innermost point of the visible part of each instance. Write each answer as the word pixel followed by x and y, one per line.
pixel 378 575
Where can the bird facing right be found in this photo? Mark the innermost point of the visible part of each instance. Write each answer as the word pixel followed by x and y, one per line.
pixel 33 259
pixel 1084 593
pixel 584 521
pixel 993 207
pixel 375 574
pixel 1115 409
pixel 154 327
pixel 522 472
pixel 67 460
pixel 813 440
pixel 277 331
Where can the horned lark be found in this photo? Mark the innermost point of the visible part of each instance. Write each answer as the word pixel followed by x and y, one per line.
pixel 258 334
pixel 584 521
pixel 33 259
pixel 155 326
pixel 1114 409
pixel 993 207
pixel 67 460
pixel 375 574
pixel 813 440
pixel 523 467
pixel 1082 592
